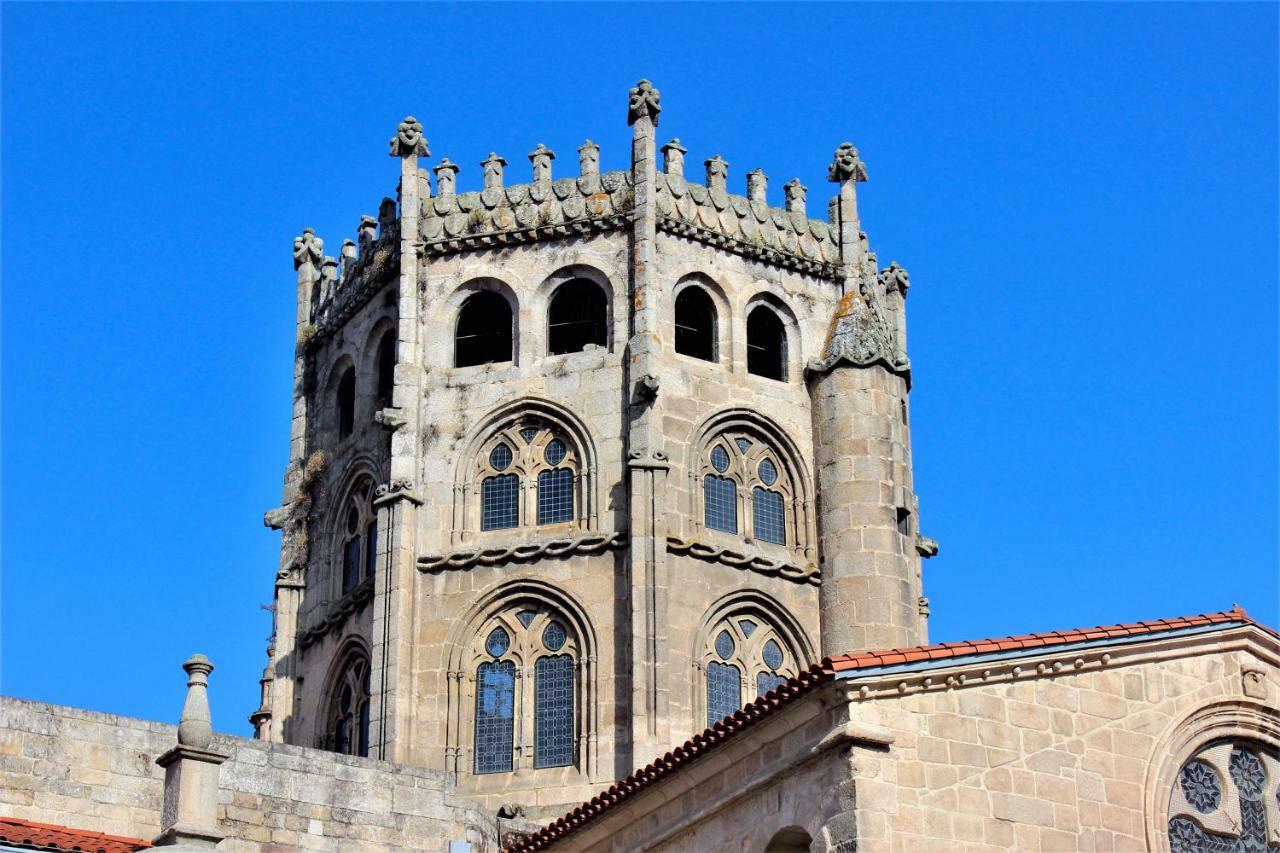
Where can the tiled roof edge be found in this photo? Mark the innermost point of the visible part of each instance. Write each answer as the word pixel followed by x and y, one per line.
pixel 48 836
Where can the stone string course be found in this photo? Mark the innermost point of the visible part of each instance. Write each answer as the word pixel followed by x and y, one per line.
pixel 97 772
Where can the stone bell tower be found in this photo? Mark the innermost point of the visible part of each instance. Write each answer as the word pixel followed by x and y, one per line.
pixel 871 594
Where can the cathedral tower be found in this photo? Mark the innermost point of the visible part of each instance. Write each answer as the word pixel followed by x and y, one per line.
pixel 573 461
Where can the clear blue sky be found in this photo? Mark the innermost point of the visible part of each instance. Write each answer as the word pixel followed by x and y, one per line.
pixel 1085 195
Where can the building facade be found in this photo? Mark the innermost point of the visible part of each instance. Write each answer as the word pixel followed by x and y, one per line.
pixel 575 463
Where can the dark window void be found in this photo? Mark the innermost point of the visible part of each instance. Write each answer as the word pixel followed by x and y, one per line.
pixel 346 403
pixel 696 324
pixel 577 317
pixel 766 344
pixel 386 368
pixel 484 330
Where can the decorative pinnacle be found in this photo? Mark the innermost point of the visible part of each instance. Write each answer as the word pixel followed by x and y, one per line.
pixel 717 172
pixel 894 277
pixel 447 177
pixel 409 140
pixel 588 159
pixel 673 158
pixel 195 728
pixel 307 248
pixel 541 158
pixel 643 102
pixel 493 166
pixel 796 194
pixel 846 165
pixel 757 185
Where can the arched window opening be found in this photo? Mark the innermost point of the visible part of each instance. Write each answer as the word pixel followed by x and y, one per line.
pixel 1219 799
pixel 510 711
pixel 484 330
pixel 766 344
pixel 528 451
pixel 348 724
pixel 696 334
pixel 743 652
pixel 386 368
pixel 737 464
pixel 793 839
pixel 358 535
pixel 577 317
pixel 346 403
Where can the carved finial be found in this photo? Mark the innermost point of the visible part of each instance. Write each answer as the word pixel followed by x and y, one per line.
pixel 541 158
pixel 307 249
pixel 757 186
pixel 796 194
pixel 348 255
pixel 673 158
pixel 643 102
pixel 589 159
pixel 195 728
pixel 858 335
pixel 493 165
pixel 409 140
pixel 717 173
pixel 329 269
pixel 847 165
pixel 447 177
pixel 386 215
pixel 894 278
pixel 368 231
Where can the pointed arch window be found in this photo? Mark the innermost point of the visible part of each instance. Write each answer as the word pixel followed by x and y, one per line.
pixel 358 534
pixel 743 656
pixel 345 403
pixel 484 331
pixel 528 452
pixel 348 718
pixel 577 317
pixel 741 467
pixel 386 367
pixel 510 710
pixel 696 331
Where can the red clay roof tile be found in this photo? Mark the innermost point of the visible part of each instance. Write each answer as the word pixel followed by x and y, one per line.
pixel 44 836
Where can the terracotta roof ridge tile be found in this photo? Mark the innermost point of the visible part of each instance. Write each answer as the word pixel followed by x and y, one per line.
pixel 54 837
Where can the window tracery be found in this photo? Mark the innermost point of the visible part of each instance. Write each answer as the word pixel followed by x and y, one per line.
pixel 527 671
pixel 738 470
pixel 358 535
pixel 347 729
pixel 528 455
pixel 1221 799
pixel 743 658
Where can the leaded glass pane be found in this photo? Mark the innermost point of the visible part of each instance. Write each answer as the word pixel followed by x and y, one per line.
pixel 724 645
pixel 748 627
pixel 500 457
pixel 497 642
pixel 500 502
pixel 768 472
pixel 724 691
pixel 495 715
pixel 1200 786
pixel 554 636
pixel 720 495
pixel 766 681
pixel 527 433
pixel 553 711
pixel 772 655
pixel 362 741
pixel 370 548
pixel 768 515
pixel 743 444
pixel 720 459
pixel 555 496
pixel 526 616
pixel 555 452
pixel 350 563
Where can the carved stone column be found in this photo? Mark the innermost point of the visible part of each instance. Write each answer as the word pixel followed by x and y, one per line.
pixel 647 459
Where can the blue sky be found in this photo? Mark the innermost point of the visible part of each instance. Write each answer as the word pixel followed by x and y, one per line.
pixel 1085 196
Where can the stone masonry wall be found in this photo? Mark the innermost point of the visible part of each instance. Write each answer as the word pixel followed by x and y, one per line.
pixel 97 772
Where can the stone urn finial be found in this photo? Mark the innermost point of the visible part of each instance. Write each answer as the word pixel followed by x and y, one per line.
pixel 196 726
pixel 189 812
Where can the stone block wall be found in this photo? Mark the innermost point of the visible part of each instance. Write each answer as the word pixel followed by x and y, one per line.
pixel 97 772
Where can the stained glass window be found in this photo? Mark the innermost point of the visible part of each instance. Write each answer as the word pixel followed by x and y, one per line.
pixel 724 645
pixel 720 459
pixel 744 444
pixel 553 636
pixel 500 502
pixel 766 681
pixel 500 457
pixel 527 433
pixel 1203 795
pixel 768 516
pixel 724 691
pixel 772 655
pixel 720 495
pixel 553 711
pixel 497 642
pixel 555 452
pixel 495 716
pixel 350 563
pixel 555 496
pixel 768 472
pixel 370 547
pixel 349 714
pixel 748 626
pixel 526 616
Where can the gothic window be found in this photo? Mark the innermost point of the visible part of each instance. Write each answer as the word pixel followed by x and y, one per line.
pixel 528 452
pixel 484 330
pixel 1221 797
pixel 386 367
pixel 348 721
pixel 741 467
pixel 346 403
pixel 766 344
pixel 541 705
pixel 744 655
pixel 577 316
pixel 695 333
pixel 358 537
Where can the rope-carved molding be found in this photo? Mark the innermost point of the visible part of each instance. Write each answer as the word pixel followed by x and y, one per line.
pixel 523 553
pixel 760 565
pixel 336 612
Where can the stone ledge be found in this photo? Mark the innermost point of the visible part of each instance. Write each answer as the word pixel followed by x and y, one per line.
pixel 523 552
pixel 758 564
